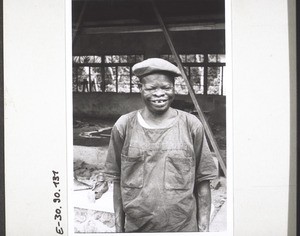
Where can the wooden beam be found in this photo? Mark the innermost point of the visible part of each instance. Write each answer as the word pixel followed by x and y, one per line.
pixel 191 91
pixel 134 20
pixel 149 28
pixel 79 22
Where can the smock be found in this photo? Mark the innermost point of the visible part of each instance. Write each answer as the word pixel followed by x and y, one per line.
pixel 158 170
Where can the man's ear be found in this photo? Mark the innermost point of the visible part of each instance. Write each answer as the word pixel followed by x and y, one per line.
pixel 140 86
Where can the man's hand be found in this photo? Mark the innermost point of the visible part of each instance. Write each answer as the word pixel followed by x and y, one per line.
pixel 118 208
pixel 203 195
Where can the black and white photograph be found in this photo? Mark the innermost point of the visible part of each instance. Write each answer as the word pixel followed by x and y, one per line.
pixel 149 116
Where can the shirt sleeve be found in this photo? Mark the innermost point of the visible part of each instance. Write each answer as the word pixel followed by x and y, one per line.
pixel 112 164
pixel 205 166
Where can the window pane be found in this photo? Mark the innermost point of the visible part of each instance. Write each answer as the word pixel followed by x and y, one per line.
pixel 83 79
pixel 123 58
pixel 186 70
pixel 224 81
pixel 182 58
pixel 214 80
pixel 115 58
pixel 97 59
pixel 139 58
pixel 96 79
pixel 110 79
pixel 199 58
pixel 190 58
pixel 221 58
pixel 108 59
pixel 74 86
pixel 171 59
pixel 131 58
pixel 180 86
pixel 197 79
pixel 76 59
pixel 74 79
pixel 212 57
pixel 123 79
pixel 168 57
pixel 135 81
pixel 87 59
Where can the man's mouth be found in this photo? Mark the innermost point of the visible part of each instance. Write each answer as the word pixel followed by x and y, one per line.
pixel 159 102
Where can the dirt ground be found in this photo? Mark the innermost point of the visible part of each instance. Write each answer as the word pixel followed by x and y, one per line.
pixel 90 148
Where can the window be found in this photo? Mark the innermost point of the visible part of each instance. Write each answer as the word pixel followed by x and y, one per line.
pixel 204 72
pixel 214 80
pixel 113 73
pixel 109 73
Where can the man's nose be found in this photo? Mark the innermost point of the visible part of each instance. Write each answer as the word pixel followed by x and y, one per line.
pixel 159 92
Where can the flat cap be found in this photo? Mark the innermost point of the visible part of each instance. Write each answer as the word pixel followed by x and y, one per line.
pixel 154 65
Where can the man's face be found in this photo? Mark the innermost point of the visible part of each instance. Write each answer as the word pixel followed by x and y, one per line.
pixel 157 92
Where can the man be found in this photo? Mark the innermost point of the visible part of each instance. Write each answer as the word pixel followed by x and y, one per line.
pixel 161 160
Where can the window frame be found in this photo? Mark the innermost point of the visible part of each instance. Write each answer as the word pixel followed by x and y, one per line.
pixel 103 65
pixel 205 64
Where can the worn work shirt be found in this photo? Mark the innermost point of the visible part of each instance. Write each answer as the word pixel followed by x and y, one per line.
pixel 158 170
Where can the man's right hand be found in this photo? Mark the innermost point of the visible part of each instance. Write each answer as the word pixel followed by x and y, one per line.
pixel 118 208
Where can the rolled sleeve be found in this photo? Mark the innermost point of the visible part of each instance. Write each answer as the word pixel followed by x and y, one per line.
pixel 113 159
pixel 205 165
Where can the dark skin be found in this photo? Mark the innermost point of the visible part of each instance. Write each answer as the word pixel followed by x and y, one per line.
pixel 118 208
pixel 157 92
pixel 203 196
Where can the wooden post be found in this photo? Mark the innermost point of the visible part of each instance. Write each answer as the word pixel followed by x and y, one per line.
pixel 79 22
pixel 191 91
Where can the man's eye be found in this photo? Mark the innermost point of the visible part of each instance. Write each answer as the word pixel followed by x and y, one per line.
pixel 168 88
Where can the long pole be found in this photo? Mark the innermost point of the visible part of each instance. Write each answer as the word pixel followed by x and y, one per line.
pixel 79 22
pixel 191 91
